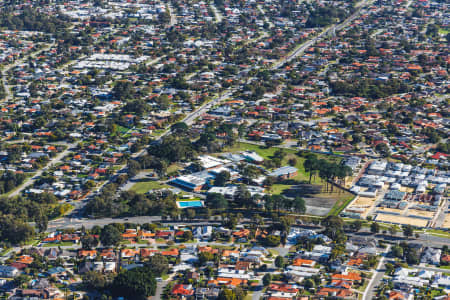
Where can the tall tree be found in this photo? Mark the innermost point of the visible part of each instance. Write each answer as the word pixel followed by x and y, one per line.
pixel 158 264
pixel 138 283
pixel 222 178
pixel 408 230
pixel 110 236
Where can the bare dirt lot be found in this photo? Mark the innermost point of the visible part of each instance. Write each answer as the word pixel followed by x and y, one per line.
pixel 319 202
pixel 446 223
pixel 390 210
pixel 421 213
pixel 401 220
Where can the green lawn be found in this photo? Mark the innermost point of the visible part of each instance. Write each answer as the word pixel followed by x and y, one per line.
pixel 158 132
pixel 437 292
pixel 444 31
pixel 266 153
pixel 165 277
pixel 5 251
pixel 173 168
pixel 145 186
pixel 32 242
pixel 122 129
pixel 222 247
pixel 58 244
pixel 278 189
pixel 189 200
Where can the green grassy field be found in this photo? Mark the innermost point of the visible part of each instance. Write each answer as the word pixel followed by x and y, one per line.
pixel 278 189
pixel 145 186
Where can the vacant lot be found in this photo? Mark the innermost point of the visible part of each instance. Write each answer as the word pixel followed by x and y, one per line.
pixel 401 220
pixel 421 213
pixel 392 211
pixel 446 223
pixel 318 201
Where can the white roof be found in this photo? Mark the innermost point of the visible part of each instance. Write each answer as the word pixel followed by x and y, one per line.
pixel 209 162
pixel 252 156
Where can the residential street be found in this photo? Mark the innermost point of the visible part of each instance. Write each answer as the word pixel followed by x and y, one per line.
pixel 332 29
pixel 29 182
pixel 377 276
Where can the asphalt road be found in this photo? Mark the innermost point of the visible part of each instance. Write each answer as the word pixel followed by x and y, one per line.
pixel 65 223
pixel 377 276
pixel 57 159
pixel 331 29
pixel 189 119
pixel 160 286
pixel 425 239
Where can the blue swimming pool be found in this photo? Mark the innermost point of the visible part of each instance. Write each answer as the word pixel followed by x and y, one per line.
pixel 187 204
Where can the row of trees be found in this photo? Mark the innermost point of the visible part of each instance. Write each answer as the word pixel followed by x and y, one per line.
pixel 278 202
pixel 243 198
pixel 327 170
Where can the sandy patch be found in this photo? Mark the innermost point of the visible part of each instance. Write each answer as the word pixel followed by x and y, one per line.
pixel 421 213
pixel 363 202
pixel 446 223
pixel 401 220
pixel 390 210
